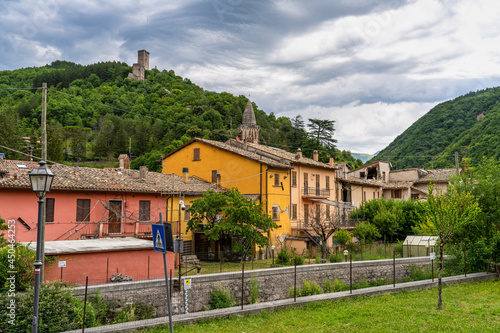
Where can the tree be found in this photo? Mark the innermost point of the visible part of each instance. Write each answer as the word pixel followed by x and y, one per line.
pixel 322 225
pixel 445 214
pixel 3 226
pixel 386 220
pixel 233 216
pixel 321 131
pixel 342 237
pixel 366 232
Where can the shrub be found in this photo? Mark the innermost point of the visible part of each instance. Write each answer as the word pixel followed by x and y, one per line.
pixel 339 285
pixel 332 257
pixel 254 290
pixel 328 286
pixel 299 260
pixel 283 256
pixel 310 288
pixel 220 298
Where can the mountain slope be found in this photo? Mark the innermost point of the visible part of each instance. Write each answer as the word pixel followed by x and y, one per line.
pixel 468 124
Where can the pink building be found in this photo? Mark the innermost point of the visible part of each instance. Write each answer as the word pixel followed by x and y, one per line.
pixel 88 203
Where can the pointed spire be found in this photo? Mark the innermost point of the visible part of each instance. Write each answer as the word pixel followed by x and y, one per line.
pixel 249 115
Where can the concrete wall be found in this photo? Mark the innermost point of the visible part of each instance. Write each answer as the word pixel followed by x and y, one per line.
pixel 274 284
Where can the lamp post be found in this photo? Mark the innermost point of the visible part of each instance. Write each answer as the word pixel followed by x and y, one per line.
pixel 272 253
pixel 41 181
pixel 346 253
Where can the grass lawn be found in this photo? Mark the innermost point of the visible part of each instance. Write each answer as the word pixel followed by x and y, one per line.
pixel 466 308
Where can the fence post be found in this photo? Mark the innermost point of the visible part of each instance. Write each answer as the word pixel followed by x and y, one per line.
pixel 85 303
pixel 394 267
pixel 465 263
pixel 242 283
pixel 350 273
pixel 295 281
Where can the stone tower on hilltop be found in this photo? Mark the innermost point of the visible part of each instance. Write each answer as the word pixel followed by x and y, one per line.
pixel 139 69
pixel 249 131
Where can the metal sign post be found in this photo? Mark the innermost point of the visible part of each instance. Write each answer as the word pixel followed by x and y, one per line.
pixel 160 245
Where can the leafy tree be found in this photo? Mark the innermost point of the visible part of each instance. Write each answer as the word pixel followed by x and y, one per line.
pixel 3 226
pixel 386 220
pixel 366 232
pixel 445 215
pixel 231 215
pixel 9 133
pixel 54 142
pixel 342 237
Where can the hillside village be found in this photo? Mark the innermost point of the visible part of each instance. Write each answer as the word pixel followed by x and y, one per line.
pixel 302 195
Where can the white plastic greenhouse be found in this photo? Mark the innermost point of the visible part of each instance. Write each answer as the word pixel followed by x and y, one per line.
pixel 419 246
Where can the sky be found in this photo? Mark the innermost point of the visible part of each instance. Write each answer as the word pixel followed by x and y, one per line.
pixel 374 67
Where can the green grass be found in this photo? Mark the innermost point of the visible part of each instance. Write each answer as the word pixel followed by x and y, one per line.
pixel 466 308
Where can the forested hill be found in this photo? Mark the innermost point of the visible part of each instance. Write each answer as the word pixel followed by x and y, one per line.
pixel 96 113
pixel 469 125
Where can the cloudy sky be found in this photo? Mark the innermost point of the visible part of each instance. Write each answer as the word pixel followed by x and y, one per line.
pixel 374 67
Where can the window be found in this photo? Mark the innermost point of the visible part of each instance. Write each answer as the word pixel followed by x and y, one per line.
pixel 49 209
pixel 294 211
pixel 82 210
pixel 214 176
pixel 415 196
pixel 396 194
pixel 362 174
pixel 144 210
pixel 187 215
pixel 196 154
pixel 306 213
pixel 327 212
pixel 327 182
pixel 306 181
pixel 318 213
pixel 317 185
pixel 277 179
pixel 294 178
pixel 276 215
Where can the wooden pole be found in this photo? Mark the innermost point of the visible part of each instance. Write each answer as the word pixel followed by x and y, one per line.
pixel 44 157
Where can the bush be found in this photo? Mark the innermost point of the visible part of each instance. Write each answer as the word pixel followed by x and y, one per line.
pixel 328 286
pixel 283 256
pixel 220 298
pixel 332 257
pixel 254 290
pixel 299 260
pixel 339 285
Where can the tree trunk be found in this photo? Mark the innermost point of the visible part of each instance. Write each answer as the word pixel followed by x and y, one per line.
pixel 440 276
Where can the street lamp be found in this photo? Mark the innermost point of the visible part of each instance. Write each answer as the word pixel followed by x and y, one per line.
pixel 272 248
pixel 346 253
pixel 41 181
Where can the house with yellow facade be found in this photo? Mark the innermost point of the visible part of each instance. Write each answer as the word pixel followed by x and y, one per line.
pixel 259 176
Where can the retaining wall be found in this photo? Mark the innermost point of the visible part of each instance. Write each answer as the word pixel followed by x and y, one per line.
pixel 274 283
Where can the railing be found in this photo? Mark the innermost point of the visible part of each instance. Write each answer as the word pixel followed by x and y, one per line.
pixel 106 229
pixel 316 192
pixel 333 223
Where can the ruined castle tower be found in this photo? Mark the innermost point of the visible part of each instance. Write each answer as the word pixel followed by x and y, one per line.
pixel 139 68
pixel 249 131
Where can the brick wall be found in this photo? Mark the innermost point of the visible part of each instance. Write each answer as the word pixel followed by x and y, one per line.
pixel 274 284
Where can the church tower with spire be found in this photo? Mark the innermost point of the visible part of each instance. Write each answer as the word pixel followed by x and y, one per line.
pixel 249 131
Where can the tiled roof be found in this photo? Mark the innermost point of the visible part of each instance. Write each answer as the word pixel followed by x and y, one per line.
pixel 280 153
pixel 238 151
pixel 358 181
pixel 398 185
pixel 110 179
pixel 437 175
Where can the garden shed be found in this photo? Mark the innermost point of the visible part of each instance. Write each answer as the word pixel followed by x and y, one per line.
pixel 419 246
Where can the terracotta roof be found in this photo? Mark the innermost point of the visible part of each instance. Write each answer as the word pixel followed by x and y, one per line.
pixel 437 175
pixel 274 162
pixel 280 153
pixel 358 181
pixel 110 179
pixel 398 185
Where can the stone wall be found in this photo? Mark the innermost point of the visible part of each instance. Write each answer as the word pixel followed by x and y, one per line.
pixel 274 283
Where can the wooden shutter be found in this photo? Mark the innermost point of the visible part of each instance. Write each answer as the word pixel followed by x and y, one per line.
pixel 49 209
pixel 196 154
pixel 144 210
pixel 82 210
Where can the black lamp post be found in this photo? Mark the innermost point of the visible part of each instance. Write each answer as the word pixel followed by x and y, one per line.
pixel 41 181
pixel 272 249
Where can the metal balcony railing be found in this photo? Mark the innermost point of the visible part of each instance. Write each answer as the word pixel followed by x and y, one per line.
pixel 316 192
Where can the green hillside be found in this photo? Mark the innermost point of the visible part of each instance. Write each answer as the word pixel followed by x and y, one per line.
pixel 96 113
pixel 468 125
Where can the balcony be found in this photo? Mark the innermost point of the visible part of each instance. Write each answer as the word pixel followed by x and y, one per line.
pixel 316 192
pixel 105 229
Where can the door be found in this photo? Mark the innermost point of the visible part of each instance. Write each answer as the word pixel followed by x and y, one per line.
pixel 115 217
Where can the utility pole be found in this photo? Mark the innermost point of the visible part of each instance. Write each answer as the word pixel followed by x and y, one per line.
pixel 456 161
pixel 44 157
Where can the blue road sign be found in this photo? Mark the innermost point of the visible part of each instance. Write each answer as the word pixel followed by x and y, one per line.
pixel 158 231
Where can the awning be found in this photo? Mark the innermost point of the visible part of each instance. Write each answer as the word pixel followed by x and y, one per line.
pixel 333 203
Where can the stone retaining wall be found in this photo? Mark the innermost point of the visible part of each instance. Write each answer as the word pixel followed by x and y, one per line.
pixel 274 283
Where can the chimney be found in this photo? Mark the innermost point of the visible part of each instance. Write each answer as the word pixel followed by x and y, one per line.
pixel 332 161
pixel 143 170
pixel 124 161
pixel 315 155
pixel 298 156
pixel 185 175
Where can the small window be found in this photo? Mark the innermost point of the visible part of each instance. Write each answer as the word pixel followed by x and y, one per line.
pixel 276 215
pixel 144 210
pixel 306 181
pixel 294 178
pixel 306 213
pixel 277 179
pixel 396 194
pixel 362 174
pixel 294 211
pixel 214 176
pixel 327 182
pixel 82 210
pixel 49 209
pixel 327 212
pixel 196 154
